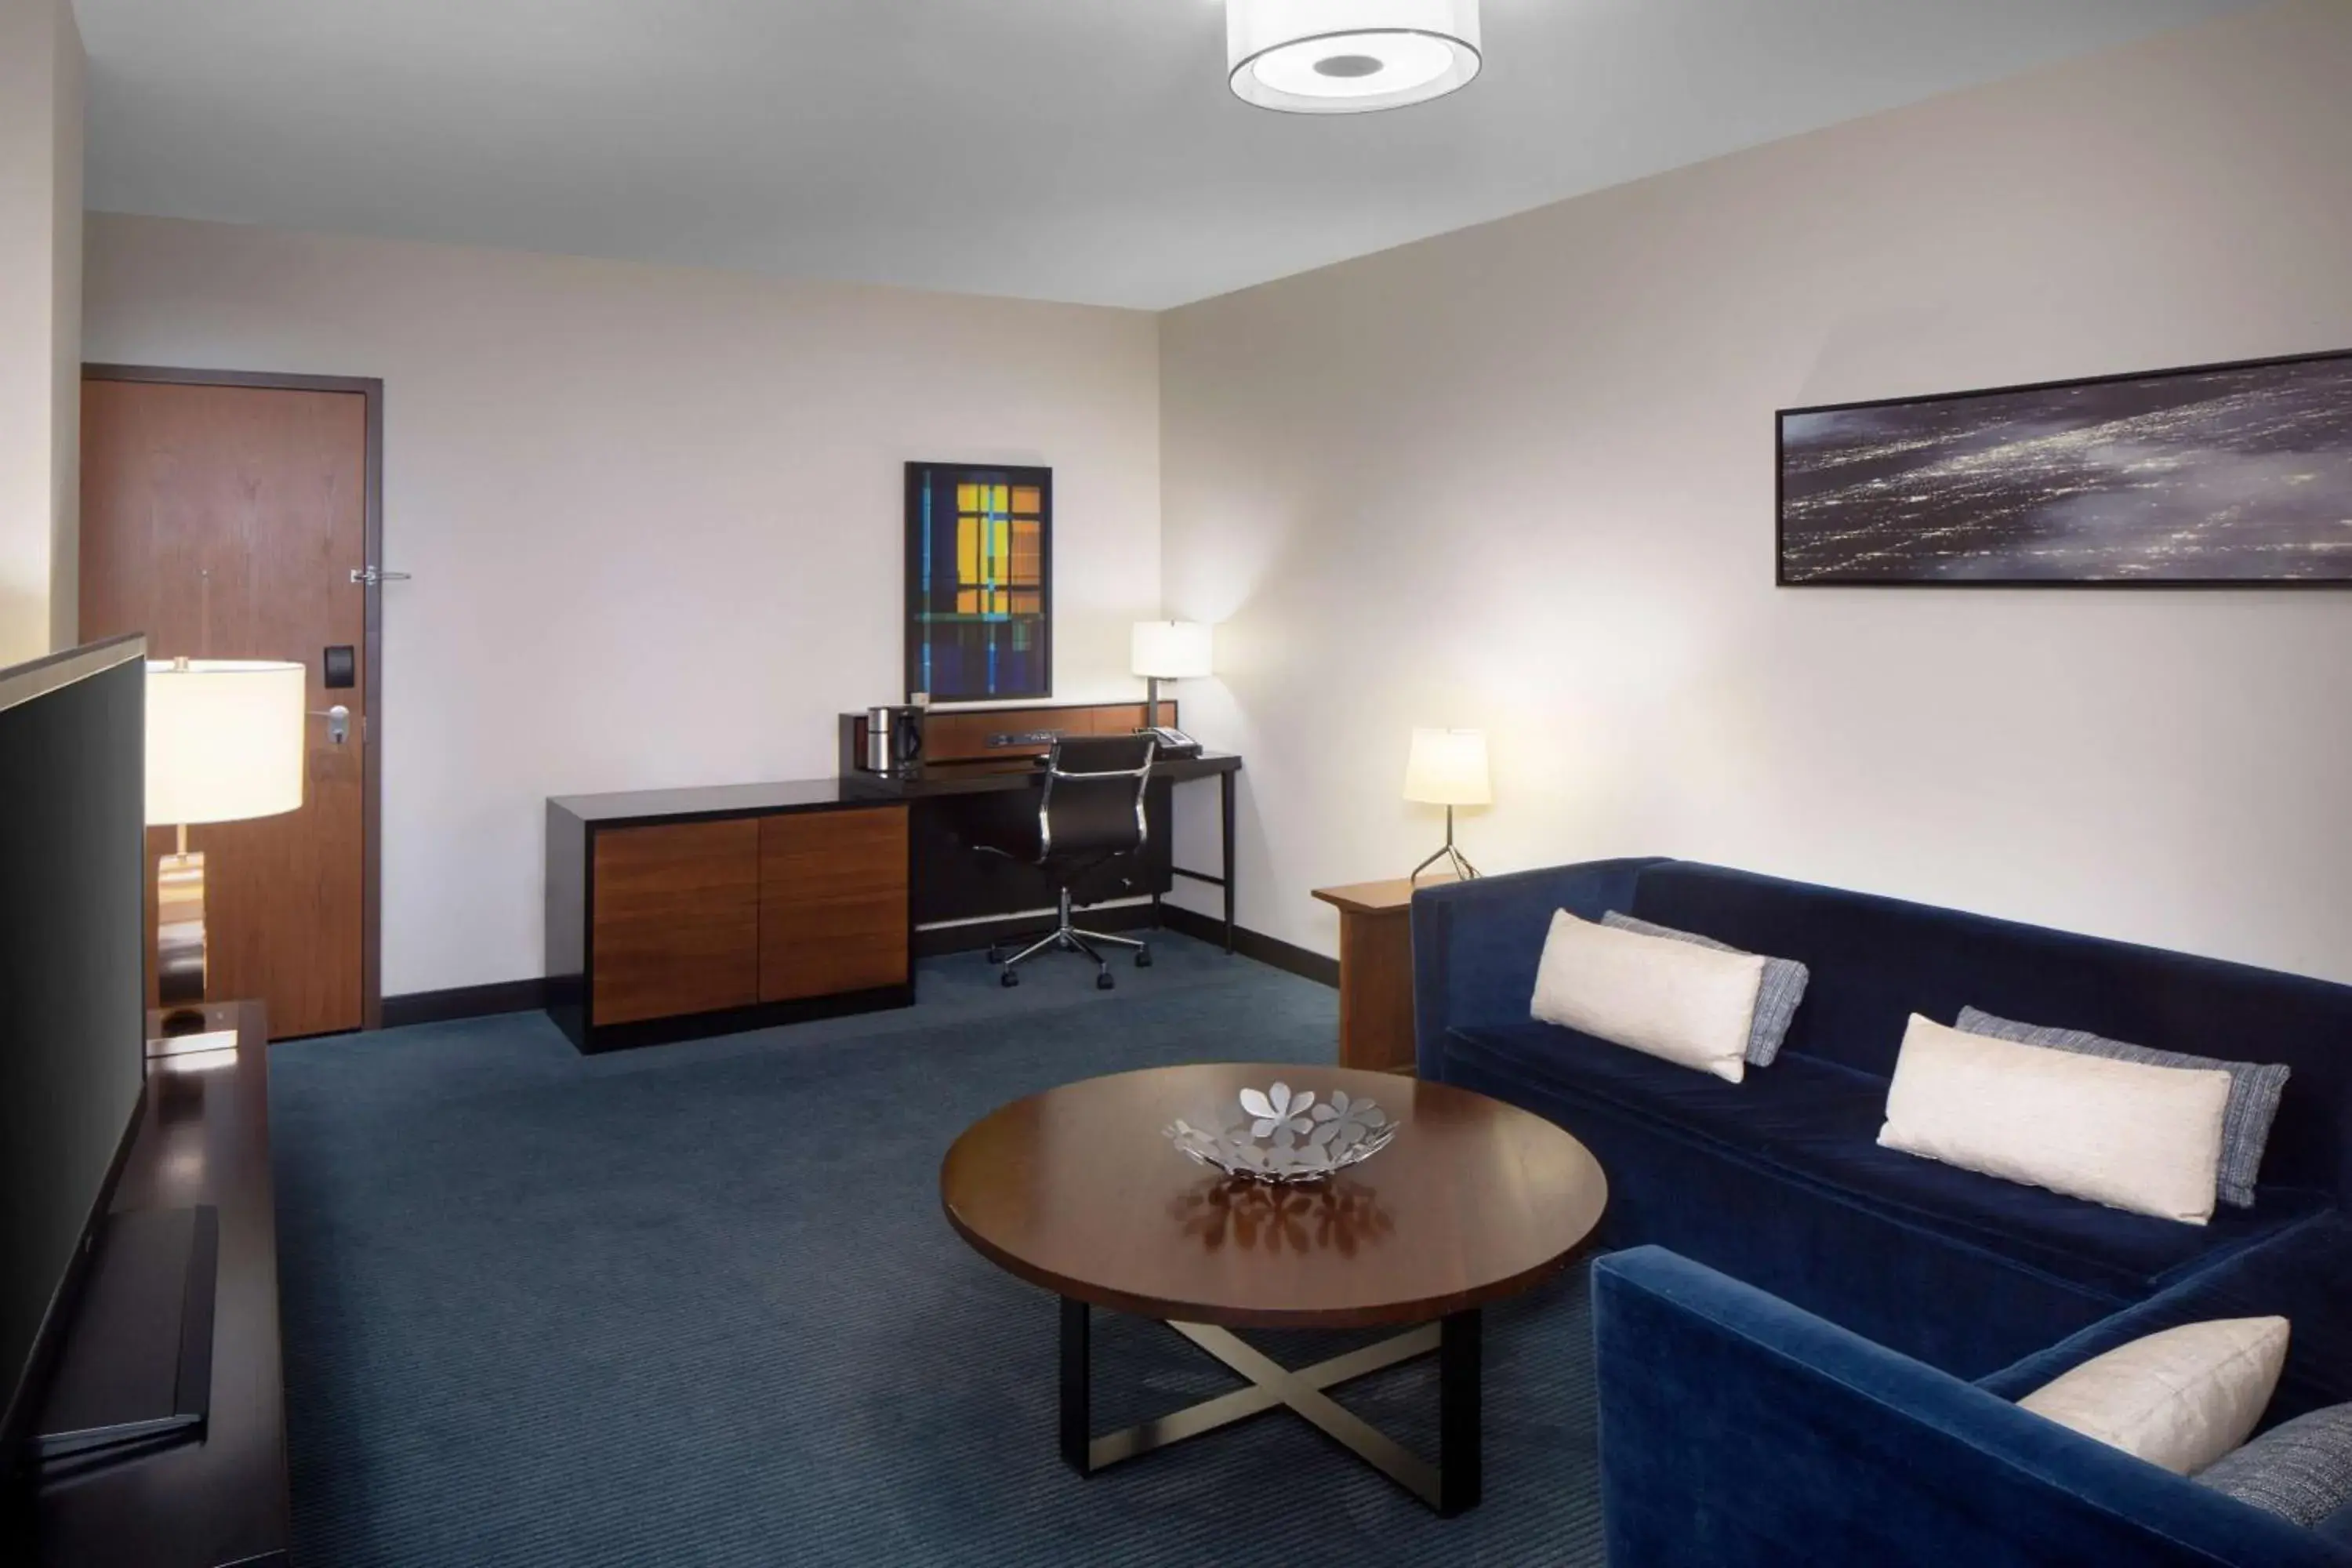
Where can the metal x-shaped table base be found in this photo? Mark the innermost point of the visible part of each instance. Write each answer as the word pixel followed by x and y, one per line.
pixel 1450 1486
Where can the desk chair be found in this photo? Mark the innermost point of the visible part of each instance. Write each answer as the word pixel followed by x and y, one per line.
pixel 1090 811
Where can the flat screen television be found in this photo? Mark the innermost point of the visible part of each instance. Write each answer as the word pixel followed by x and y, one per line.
pixel 73 981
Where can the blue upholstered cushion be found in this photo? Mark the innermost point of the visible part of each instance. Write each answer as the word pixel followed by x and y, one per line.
pixel 1817 1122
pixel 1773 1113
pixel 2303 1274
pixel 2254 1090
pixel 2301 1470
pixel 1697 1169
pixel 1777 994
pixel 1476 944
pixel 1877 961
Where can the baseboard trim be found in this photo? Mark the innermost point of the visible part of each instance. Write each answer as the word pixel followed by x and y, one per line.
pixel 464 1002
pixel 1304 962
pixel 643 1032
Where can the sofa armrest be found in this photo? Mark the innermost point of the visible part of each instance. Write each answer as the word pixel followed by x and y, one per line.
pixel 1475 944
pixel 1737 1429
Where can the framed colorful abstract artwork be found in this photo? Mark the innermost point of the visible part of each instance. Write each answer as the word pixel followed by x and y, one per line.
pixel 2220 476
pixel 979 575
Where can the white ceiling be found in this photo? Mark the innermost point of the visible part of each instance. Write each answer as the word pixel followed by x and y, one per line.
pixel 1083 150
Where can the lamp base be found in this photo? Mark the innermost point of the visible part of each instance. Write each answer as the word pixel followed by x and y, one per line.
pixel 180 931
pixel 1460 866
pixel 1463 870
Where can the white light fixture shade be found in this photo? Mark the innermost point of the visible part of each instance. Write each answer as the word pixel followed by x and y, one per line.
pixel 1448 767
pixel 225 740
pixel 1171 650
pixel 1349 57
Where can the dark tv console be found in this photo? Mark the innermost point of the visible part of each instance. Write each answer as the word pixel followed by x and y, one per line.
pixel 216 1494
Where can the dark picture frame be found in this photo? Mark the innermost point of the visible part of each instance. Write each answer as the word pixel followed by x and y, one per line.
pixel 2231 475
pixel 980 582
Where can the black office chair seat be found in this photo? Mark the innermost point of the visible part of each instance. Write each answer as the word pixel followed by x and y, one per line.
pixel 1090 811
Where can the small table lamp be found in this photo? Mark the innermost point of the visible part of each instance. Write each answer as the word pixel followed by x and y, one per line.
pixel 1448 768
pixel 1168 650
pixel 225 743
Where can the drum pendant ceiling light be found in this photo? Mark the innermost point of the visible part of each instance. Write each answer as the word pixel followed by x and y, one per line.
pixel 1349 57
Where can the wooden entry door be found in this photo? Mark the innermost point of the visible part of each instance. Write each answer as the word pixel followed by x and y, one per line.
pixel 225 521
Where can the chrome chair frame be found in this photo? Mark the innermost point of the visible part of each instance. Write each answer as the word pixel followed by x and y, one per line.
pixel 1067 935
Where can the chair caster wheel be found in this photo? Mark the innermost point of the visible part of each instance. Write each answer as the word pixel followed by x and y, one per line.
pixel 995 952
pixel 1142 958
pixel 1103 982
pixel 1010 977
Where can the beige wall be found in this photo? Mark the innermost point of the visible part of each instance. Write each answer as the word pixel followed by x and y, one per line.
pixel 1521 476
pixel 40 322
pixel 653 514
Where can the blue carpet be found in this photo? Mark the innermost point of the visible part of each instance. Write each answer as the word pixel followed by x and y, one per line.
pixel 697 1305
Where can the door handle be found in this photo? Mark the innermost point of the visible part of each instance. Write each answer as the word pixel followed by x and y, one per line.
pixel 339 722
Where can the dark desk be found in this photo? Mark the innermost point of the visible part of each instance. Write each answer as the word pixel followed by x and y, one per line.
pixel 674 913
pixel 942 780
pixel 993 777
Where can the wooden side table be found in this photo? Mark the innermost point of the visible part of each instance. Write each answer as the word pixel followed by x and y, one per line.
pixel 1376 971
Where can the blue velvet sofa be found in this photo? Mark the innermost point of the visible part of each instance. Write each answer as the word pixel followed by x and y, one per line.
pixel 1822 1373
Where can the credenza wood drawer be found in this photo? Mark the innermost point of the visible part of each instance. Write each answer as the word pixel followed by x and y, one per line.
pixel 678 919
pixel 833 902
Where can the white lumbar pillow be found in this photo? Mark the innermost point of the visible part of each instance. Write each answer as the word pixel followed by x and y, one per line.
pixel 1689 1005
pixel 2180 1399
pixel 2147 1138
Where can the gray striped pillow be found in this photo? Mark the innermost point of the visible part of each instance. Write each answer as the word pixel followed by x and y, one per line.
pixel 1777 994
pixel 2254 1090
pixel 2301 1469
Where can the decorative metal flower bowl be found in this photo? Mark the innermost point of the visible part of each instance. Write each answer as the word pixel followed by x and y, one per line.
pixel 1285 1135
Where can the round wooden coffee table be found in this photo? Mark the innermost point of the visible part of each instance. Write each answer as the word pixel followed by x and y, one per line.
pixel 1076 1189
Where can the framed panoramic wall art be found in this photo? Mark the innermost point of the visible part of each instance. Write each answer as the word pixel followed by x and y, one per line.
pixel 2227 475
pixel 980 576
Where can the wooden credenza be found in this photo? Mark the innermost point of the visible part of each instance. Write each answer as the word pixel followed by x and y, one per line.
pixel 678 913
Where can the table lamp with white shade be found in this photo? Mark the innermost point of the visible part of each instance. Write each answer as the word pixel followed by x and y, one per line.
pixel 1448 768
pixel 225 743
pixel 1168 650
